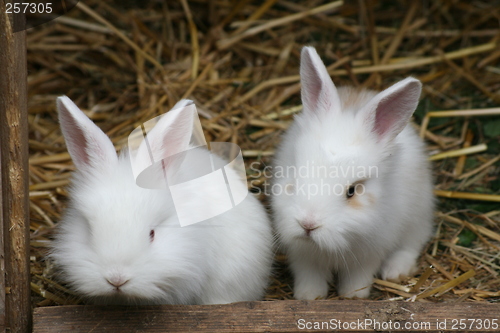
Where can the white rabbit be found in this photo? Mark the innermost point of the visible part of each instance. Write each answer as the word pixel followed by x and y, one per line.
pixel 119 243
pixel 352 188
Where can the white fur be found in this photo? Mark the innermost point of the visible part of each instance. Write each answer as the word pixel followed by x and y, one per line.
pixel 381 230
pixel 105 232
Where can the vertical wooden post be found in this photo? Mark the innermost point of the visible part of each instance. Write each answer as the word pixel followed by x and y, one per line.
pixel 14 218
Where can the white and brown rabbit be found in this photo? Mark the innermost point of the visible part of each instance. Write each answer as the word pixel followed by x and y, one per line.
pixel 119 243
pixel 355 194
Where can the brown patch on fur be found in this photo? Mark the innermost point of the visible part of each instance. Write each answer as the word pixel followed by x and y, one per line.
pixel 354 98
pixel 357 140
pixel 354 202
pixel 371 198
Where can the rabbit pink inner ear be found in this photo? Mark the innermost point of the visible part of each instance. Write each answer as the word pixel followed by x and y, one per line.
pixel 88 146
pixel 390 111
pixel 170 135
pixel 75 140
pixel 318 91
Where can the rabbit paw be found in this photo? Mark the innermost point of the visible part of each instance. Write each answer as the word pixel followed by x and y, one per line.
pixel 310 291
pixel 401 264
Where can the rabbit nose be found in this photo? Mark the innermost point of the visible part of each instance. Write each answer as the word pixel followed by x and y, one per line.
pixel 117 281
pixel 308 226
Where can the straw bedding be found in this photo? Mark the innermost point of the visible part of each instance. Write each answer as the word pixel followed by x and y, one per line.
pixel 125 62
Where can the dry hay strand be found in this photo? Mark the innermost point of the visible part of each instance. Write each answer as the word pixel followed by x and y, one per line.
pixel 126 62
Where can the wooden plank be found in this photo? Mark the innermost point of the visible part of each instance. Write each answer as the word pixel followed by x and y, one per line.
pixel 14 217
pixel 2 263
pixel 276 316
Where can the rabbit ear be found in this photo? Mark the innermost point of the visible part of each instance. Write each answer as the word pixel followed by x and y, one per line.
pixel 87 144
pixel 389 112
pixel 166 137
pixel 159 146
pixel 172 133
pixel 318 91
pixel 182 103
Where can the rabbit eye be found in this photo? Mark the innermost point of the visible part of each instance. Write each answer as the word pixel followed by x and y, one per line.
pixel 152 235
pixel 350 191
